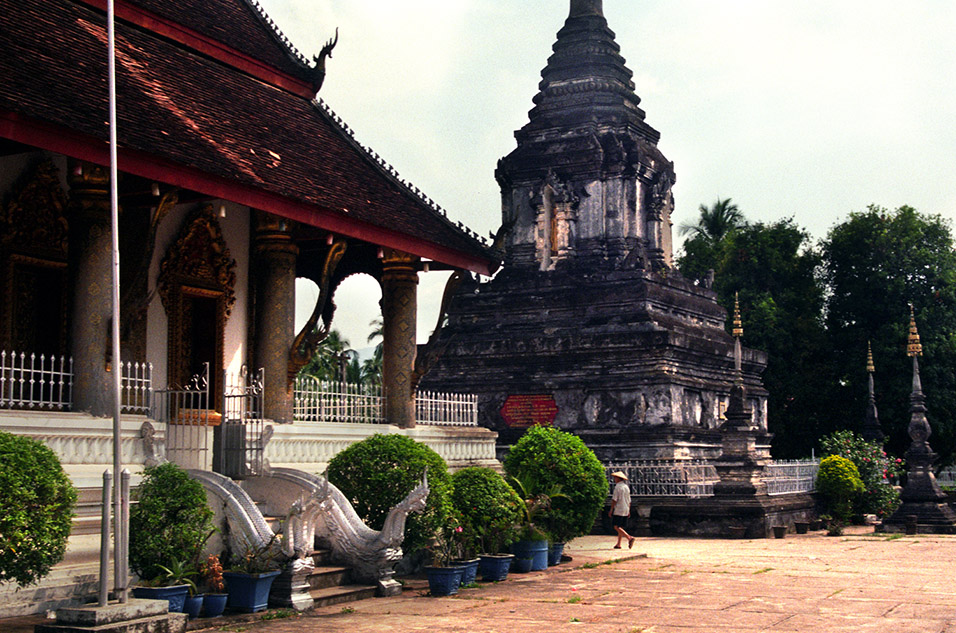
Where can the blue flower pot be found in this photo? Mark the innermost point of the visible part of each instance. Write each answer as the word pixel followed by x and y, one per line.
pixel 536 551
pixel 469 570
pixel 175 595
pixel 214 604
pixel 192 606
pixel 443 581
pixel 249 592
pixel 494 567
pixel 554 554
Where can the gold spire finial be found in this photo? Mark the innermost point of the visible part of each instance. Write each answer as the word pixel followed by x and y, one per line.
pixel 738 330
pixel 913 347
pixel 869 358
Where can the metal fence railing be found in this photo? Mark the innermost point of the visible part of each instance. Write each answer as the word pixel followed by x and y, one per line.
pixel 446 409
pixel 666 478
pixel 136 385
pixel 791 477
pixel 35 381
pixel 239 446
pixel 185 410
pixel 45 382
pixel 335 401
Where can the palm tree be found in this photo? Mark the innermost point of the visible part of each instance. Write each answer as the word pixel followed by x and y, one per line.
pixel 372 367
pixel 324 363
pixel 716 222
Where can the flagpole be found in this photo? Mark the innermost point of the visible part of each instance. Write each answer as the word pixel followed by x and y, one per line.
pixel 119 529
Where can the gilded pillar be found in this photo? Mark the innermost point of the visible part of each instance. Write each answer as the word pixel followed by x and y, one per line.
pixel 275 259
pixel 91 254
pixel 399 313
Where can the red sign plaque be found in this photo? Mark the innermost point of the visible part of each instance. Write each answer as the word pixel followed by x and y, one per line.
pixel 524 411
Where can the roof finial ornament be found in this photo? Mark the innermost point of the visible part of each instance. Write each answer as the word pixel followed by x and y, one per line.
pixel 318 73
pixel 586 7
pixel 913 346
pixel 871 431
pixel 738 330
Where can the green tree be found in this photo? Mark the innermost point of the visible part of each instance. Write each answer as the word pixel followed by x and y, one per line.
pixel 372 367
pixel 37 501
pixel 708 236
pixel 876 263
pixel 324 364
pixel 774 268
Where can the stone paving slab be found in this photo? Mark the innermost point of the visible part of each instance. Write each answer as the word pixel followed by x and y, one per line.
pixel 860 582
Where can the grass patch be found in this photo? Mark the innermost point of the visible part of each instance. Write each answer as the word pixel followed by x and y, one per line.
pixel 763 571
pixel 279 614
pixel 348 610
pixel 574 599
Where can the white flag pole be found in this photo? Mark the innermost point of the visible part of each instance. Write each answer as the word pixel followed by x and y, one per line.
pixel 119 556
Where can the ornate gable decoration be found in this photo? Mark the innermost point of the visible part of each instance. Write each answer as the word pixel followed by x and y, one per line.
pixel 199 258
pixel 32 220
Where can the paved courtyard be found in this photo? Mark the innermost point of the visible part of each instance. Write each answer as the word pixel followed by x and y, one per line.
pixel 858 582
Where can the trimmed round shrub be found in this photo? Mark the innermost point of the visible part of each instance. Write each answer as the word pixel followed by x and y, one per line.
pixel 876 468
pixel 377 473
pixel 489 509
pixel 170 523
pixel 36 509
pixel 553 460
pixel 838 482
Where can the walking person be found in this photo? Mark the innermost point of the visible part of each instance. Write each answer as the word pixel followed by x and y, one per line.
pixel 621 508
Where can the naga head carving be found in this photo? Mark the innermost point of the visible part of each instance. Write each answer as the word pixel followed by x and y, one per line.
pixel 416 499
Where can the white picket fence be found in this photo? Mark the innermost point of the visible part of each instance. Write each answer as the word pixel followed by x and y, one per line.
pixel 335 401
pixel 40 381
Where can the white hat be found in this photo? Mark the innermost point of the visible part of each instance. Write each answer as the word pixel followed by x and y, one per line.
pixel 619 475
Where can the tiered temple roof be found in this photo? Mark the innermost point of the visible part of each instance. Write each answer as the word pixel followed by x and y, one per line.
pixel 210 98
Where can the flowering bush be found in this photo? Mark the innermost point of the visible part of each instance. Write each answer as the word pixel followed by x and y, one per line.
pixel 488 507
pixel 838 482
pixel 876 470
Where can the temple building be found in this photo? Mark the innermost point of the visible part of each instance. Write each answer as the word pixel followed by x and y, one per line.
pixel 588 326
pixel 234 180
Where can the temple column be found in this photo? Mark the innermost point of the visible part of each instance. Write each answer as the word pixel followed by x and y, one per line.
pixel 399 313
pixel 275 259
pixel 91 255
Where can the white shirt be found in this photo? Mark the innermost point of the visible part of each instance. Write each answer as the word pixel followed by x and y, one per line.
pixel 621 499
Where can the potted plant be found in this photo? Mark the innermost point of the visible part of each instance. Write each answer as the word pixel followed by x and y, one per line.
pixel 168 528
pixel 531 547
pixel 489 510
pixel 560 461
pixel 250 577
pixel 179 574
pixel 444 577
pixel 214 587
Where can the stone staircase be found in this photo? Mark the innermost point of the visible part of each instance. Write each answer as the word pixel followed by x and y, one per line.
pixel 328 583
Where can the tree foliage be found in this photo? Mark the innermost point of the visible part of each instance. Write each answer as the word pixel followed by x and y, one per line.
pixel 170 523
pixel 488 507
pixel 545 458
pixel 878 262
pixel 839 483
pixel 813 308
pixel 774 267
pixel 36 509
pixel 379 472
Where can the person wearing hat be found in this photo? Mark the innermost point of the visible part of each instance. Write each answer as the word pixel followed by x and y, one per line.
pixel 621 508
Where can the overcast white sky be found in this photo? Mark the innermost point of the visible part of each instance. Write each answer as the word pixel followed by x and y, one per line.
pixel 810 109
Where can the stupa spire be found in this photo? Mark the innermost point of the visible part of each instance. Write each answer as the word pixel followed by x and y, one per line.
pixel 871 431
pixel 586 7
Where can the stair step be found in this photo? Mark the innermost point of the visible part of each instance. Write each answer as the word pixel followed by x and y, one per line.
pixel 328 576
pixel 321 557
pixel 337 595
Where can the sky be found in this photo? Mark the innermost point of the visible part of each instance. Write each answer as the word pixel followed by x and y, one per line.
pixel 809 109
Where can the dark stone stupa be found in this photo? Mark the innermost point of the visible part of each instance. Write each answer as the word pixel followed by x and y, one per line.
pixel 588 326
